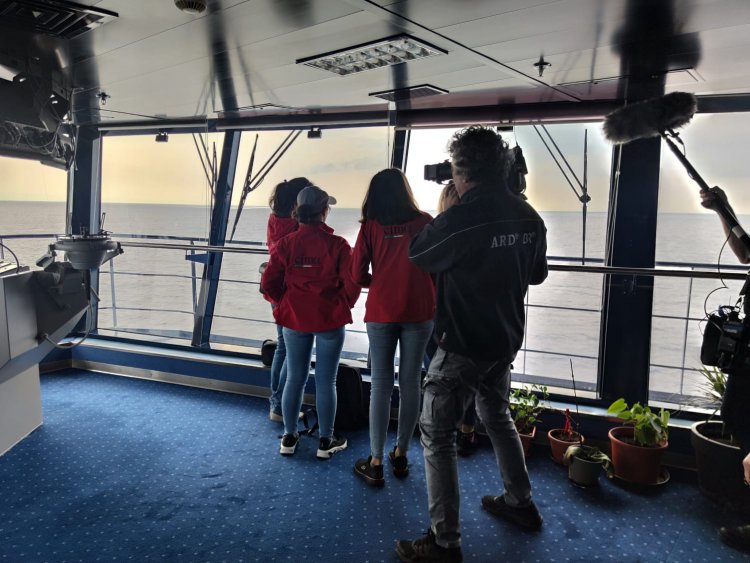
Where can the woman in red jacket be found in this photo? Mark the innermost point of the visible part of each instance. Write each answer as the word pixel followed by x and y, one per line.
pixel 399 311
pixel 308 279
pixel 280 224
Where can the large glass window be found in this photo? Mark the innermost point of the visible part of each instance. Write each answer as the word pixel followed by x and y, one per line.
pixel 690 237
pixel 158 192
pixel 341 161
pixel 563 314
pixel 32 203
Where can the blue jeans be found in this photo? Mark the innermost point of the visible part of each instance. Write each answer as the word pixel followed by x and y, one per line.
pixel 412 339
pixel 452 382
pixel 299 346
pixel 278 372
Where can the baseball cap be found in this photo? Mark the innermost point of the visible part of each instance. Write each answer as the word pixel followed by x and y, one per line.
pixel 315 198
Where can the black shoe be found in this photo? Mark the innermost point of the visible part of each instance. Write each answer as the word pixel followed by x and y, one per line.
pixel 526 517
pixel 466 443
pixel 738 537
pixel 289 444
pixel 425 549
pixel 400 464
pixel 329 446
pixel 372 474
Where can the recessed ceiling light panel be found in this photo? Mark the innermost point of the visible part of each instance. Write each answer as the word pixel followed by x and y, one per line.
pixel 377 54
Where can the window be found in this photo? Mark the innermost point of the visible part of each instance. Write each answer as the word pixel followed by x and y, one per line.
pixel 691 236
pixel 158 192
pixel 32 203
pixel 563 314
pixel 341 161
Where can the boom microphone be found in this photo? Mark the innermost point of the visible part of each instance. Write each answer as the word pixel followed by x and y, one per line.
pixel 649 118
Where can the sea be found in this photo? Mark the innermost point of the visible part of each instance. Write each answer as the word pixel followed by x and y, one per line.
pixel 153 292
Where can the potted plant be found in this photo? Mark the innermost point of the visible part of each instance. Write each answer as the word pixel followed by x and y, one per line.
pixel 560 439
pixel 718 458
pixel 637 448
pixel 525 406
pixel 585 463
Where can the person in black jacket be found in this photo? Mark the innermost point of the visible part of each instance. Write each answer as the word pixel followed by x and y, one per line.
pixel 737 393
pixel 485 252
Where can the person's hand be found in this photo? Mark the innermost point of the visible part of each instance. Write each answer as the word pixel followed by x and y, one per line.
pixel 713 198
pixel 746 468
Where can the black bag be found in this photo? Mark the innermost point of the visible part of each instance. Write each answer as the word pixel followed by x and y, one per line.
pixel 351 406
pixel 267 350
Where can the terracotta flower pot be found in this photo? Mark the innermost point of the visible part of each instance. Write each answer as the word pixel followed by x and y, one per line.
pixel 527 440
pixel 633 463
pixel 558 446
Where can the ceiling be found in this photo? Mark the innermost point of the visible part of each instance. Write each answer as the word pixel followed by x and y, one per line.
pixel 154 61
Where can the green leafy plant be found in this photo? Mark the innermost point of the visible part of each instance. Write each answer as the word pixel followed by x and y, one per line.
pixel 649 430
pixel 526 404
pixel 592 454
pixel 714 386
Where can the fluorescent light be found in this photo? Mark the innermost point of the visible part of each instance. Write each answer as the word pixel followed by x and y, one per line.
pixel 377 54
pixel 8 72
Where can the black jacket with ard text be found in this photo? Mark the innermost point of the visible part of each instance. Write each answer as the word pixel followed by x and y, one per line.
pixel 485 251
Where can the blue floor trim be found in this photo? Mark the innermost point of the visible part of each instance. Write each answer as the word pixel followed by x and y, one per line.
pixel 135 470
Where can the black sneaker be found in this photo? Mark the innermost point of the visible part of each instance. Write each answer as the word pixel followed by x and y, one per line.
pixel 425 549
pixel 289 444
pixel 526 517
pixel 372 474
pixel 466 443
pixel 400 464
pixel 329 446
pixel 738 537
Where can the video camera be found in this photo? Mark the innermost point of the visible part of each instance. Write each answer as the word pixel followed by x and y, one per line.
pixel 726 340
pixel 515 177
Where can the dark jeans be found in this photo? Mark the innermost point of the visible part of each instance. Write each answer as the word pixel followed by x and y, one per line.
pixel 735 410
pixel 452 383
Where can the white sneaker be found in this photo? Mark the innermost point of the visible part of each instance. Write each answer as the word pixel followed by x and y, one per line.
pixel 289 444
pixel 329 446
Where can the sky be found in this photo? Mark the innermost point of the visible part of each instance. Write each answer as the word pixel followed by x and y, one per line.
pixel 139 170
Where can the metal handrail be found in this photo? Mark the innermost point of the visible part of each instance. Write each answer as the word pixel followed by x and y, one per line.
pixel 673 269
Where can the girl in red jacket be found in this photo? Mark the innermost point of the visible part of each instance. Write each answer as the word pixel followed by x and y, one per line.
pixel 280 224
pixel 399 311
pixel 308 279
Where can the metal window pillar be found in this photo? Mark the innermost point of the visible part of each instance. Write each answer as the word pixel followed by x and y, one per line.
pixel 83 211
pixel 625 341
pixel 400 149
pixel 204 313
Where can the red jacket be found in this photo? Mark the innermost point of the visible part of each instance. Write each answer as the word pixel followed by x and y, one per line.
pixel 278 227
pixel 308 278
pixel 399 291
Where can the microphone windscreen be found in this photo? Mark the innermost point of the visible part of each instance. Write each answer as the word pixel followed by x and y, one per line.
pixel 649 118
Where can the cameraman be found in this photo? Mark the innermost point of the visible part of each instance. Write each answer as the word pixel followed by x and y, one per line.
pixel 734 409
pixel 485 251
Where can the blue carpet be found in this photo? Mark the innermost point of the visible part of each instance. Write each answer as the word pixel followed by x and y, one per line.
pixel 132 470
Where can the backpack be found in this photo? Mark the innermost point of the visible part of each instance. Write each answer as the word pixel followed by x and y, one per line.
pixel 267 350
pixel 351 409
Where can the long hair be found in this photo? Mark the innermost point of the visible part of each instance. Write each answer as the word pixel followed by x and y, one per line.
pixel 389 199
pixel 480 155
pixel 284 196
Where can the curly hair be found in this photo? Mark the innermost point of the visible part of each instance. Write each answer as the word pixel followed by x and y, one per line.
pixel 479 154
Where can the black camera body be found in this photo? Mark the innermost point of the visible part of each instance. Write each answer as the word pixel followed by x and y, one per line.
pixel 726 341
pixel 515 176
pixel 440 172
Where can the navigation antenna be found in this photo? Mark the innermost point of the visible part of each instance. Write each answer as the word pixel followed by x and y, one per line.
pixel 583 197
pixel 251 182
